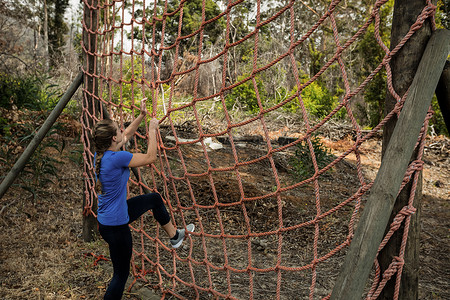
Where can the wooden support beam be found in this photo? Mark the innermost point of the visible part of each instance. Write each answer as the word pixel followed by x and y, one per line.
pixel 359 260
pixel 37 139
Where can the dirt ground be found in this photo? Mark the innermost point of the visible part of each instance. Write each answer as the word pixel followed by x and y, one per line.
pixel 43 256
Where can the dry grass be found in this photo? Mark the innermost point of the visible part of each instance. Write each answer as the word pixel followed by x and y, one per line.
pixel 42 255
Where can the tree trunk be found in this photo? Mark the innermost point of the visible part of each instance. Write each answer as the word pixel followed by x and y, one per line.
pixel 92 106
pixel 404 65
pixel 45 30
pixel 443 94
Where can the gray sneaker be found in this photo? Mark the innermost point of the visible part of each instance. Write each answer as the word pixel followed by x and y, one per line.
pixel 181 234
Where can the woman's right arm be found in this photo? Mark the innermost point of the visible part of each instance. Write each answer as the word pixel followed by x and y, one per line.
pixel 140 159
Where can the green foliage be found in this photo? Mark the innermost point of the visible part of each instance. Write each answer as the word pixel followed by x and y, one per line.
pixel 317 99
pixel 4 125
pixel 375 97
pixel 26 102
pixel 19 91
pixel 437 121
pixel 241 18
pixel 372 54
pixel 192 20
pixel 442 21
pixel 131 93
pixel 42 165
pixel 57 28
pixel 31 92
pixel 76 155
pixel 245 95
pixel 443 14
pixel 7 154
pixel 302 164
pixel 316 59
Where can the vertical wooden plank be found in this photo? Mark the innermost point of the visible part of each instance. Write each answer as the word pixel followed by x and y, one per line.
pixel 359 260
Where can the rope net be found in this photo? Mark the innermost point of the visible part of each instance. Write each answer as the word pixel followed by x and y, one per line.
pixel 253 240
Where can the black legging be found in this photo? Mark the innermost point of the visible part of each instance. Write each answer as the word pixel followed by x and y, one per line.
pixel 120 242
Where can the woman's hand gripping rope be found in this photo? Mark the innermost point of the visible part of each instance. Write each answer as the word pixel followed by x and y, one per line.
pixel 154 122
pixel 143 107
pixel 140 159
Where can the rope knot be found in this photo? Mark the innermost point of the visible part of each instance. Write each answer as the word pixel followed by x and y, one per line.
pixel 398 261
pixel 416 165
pixel 407 211
pixel 393 267
pixel 386 59
pixel 404 212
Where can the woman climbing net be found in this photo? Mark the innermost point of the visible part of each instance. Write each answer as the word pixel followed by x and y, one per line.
pixel 115 212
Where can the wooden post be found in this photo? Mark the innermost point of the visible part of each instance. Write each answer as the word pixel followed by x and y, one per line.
pixel 39 136
pixel 90 104
pixel 404 66
pixel 359 260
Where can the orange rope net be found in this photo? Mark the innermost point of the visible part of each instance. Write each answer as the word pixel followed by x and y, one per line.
pixel 249 243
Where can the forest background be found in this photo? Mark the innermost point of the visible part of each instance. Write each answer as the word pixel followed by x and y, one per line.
pixel 40 54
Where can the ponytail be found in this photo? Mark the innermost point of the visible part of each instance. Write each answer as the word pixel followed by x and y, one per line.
pixel 103 133
pixel 98 161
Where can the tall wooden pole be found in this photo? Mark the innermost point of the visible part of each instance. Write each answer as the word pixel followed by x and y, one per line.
pixel 404 65
pixel 359 260
pixel 90 106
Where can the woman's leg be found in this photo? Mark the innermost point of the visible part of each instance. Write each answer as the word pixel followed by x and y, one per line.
pixel 120 250
pixel 170 229
pixel 138 205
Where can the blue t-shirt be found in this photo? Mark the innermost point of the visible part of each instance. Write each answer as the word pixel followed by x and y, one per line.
pixel 114 175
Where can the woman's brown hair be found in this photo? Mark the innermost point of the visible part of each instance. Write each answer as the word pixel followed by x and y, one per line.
pixel 103 133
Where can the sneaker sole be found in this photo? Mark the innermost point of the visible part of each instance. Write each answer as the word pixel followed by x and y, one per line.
pixel 177 245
